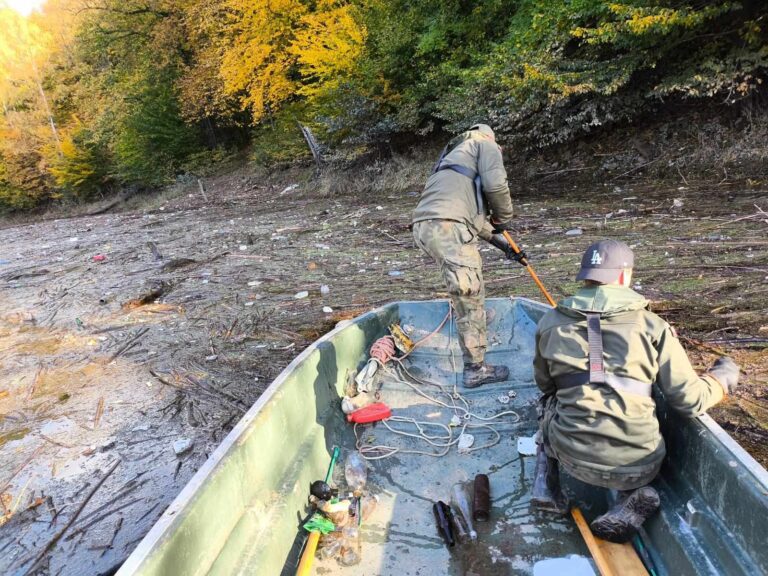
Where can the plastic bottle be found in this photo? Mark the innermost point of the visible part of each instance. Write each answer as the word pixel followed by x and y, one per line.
pixel 443 519
pixel 355 472
pixel 330 545
pixel 460 500
pixel 350 547
pixel 368 504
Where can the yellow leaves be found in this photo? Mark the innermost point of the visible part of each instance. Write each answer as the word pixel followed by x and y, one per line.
pixel 328 46
pixel 280 48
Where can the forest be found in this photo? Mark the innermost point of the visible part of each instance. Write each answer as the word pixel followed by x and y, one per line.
pixel 100 95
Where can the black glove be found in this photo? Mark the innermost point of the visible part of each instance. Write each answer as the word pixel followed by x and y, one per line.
pixel 501 243
pixel 726 371
pixel 500 227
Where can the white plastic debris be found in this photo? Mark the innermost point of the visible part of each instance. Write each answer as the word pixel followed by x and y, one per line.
pixel 465 443
pixel 255 283
pixel 379 207
pixel 243 247
pixel 512 394
pixel 575 232
pixel 395 273
pixel 300 295
pixel 182 446
pixel 572 565
pixel 211 358
pixel 288 189
pixel 677 203
pixel 455 420
pixel 526 445
pixel 327 309
pixel 364 378
pixel 503 399
pixel 325 289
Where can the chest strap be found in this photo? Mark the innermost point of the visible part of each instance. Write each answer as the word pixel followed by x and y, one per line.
pixel 597 373
pixel 619 383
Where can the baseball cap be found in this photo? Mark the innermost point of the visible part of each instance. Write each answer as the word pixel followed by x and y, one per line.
pixel 604 260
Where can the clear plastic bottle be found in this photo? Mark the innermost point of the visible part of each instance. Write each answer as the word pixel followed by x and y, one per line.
pixel 368 504
pixel 330 545
pixel 460 500
pixel 350 547
pixel 355 472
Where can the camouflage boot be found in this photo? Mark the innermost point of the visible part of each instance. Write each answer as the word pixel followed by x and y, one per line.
pixel 481 373
pixel 623 520
pixel 547 494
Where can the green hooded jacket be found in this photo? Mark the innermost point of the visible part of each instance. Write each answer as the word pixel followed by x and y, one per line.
pixel 449 195
pixel 598 427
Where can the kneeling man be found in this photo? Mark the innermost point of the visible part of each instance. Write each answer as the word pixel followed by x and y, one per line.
pixel 597 355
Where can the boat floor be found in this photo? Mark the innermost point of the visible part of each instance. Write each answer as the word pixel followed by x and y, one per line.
pixel 401 537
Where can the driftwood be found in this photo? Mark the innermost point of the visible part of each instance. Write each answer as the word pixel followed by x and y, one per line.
pixel 52 542
pixel 314 147
pixel 120 199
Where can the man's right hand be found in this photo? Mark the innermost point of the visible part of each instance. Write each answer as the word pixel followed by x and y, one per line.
pixel 726 371
pixel 501 243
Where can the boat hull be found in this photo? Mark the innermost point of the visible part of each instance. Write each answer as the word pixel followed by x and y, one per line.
pixel 240 513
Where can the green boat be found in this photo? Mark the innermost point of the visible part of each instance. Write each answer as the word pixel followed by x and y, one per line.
pixel 242 511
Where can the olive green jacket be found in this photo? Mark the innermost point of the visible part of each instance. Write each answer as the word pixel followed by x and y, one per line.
pixel 449 195
pixel 595 426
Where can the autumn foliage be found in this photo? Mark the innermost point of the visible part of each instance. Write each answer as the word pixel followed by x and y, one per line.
pixel 100 94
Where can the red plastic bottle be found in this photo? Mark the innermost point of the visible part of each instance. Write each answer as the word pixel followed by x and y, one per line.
pixel 371 413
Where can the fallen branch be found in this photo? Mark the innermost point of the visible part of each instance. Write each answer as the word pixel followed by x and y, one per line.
pixel 52 543
pixel 128 344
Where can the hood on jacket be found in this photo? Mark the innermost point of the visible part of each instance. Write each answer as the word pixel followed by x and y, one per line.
pixel 606 299
pixel 484 129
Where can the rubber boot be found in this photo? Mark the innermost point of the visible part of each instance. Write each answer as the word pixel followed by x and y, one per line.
pixel 623 520
pixel 547 494
pixel 478 374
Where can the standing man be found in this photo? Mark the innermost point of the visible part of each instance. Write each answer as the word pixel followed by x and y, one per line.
pixel 597 355
pixel 467 185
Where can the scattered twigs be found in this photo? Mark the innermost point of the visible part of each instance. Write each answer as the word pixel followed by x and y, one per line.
pixel 21 467
pixel 99 412
pixel 636 168
pixel 704 346
pixel 52 543
pixel 129 344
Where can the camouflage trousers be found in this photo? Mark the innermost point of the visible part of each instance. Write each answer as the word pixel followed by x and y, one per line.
pixel 453 246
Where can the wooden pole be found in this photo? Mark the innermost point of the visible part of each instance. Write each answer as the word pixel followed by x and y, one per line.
pixel 530 269
pixel 597 554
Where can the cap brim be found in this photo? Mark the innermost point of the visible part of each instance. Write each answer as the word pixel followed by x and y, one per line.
pixel 604 275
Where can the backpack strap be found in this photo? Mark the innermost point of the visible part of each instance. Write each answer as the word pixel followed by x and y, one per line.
pixel 595 343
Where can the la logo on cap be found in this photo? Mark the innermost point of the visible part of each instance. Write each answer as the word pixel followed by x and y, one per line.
pixel 596 258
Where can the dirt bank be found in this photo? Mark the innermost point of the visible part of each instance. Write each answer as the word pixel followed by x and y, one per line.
pixel 124 334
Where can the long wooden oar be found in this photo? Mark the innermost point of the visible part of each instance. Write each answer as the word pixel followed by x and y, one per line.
pixel 531 271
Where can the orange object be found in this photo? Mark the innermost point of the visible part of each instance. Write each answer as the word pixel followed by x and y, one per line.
pixel 597 554
pixel 305 565
pixel 611 559
pixel 530 269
